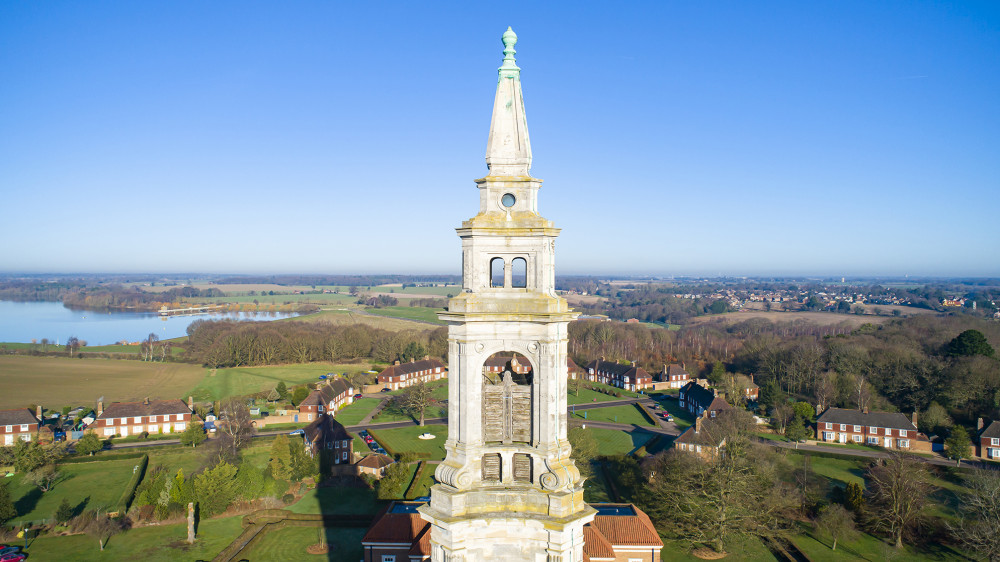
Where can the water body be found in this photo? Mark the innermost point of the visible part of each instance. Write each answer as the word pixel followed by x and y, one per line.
pixel 24 321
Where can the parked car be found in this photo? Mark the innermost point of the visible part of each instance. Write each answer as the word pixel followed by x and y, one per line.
pixel 322 377
pixel 669 417
pixel 358 395
pixel 13 557
pixel 297 432
pixel 8 549
pixel 386 389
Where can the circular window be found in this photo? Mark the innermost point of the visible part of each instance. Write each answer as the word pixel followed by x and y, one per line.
pixel 508 200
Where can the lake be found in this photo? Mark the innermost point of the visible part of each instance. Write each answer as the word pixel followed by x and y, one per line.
pixel 24 321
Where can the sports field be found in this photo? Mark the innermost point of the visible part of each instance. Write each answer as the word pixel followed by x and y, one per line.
pixel 55 382
pixel 354 316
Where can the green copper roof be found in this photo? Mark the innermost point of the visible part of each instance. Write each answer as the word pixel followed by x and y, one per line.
pixel 509 67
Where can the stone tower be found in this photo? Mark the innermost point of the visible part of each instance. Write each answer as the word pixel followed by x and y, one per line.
pixel 508 489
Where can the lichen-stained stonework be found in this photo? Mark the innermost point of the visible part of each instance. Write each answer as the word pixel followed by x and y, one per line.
pixel 507 489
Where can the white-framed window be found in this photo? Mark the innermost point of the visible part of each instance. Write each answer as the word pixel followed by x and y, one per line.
pixel 388 558
pixel 136 429
pixel 996 440
pixel 179 417
pixel 178 427
pixel 872 440
pixel 344 443
pixel 310 417
pixel 152 419
pixel 843 427
pixel 24 427
pixel 698 448
pixel 873 430
pixel 904 443
pixel 137 419
pixel 109 431
pixel 25 437
pixel 857 429
pixel 888 431
pixel 829 425
pixel 902 433
pixel 10 429
pixel 344 455
pixel 857 438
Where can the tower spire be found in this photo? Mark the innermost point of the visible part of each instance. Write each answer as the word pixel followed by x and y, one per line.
pixel 508 150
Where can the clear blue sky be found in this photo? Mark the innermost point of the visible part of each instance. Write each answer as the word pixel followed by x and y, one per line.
pixel 837 138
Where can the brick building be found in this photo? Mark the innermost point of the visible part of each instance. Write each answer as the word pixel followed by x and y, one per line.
pixel 17 425
pixel 401 375
pixel 626 376
pixel 891 430
pixel 697 399
pixel 134 418
pixel 328 397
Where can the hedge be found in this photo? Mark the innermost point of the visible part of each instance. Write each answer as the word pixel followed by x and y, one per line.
pixel 129 494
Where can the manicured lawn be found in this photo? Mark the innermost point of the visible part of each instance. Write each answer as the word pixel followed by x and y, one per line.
pixel 586 396
pixel 682 418
pixel 613 442
pixel 149 544
pixel 85 485
pixel 418 313
pixel 867 547
pixel 338 501
pixel 290 543
pixel 404 440
pixel 239 381
pixel 745 550
pixel 630 414
pixel 55 382
pixel 422 487
pixel 354 413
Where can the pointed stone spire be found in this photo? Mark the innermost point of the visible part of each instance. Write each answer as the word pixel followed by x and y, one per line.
pixel 508 150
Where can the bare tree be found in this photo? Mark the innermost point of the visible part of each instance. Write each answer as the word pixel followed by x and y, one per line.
pixel 781 415
pixel 235 425
pixel 836 522
pixel 979 515
pixel 898 489
pixel 99 525
pixel 825 390
pixel 415 400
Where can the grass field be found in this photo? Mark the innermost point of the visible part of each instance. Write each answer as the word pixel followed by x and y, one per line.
pixel 337 501
pixel 347 316
pixel 161 543
pixel 630 414
pixel 418 313
pixel 587 396
pixel 85 485
pixel 55 382
pixel 404 440
pixel 354 413
pixel 422 487
pixel 290 543
pixel 239 381
pixel 818 318
pixel 612 442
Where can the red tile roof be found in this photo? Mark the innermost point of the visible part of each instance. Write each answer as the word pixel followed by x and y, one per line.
pixel 625 530
pixel 375 461
pixel 595 545
pixel 392 527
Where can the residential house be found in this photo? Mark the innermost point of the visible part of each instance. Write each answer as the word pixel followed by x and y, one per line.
pixel 705 438
pixel 750 390
pixel 151 416
pixel 891 430
pixel 698 399
pixel 520 368
pixel 401 375
pixel 989 441
pixel 675 375
pixel 573 371
pixel 374 464
pixel 17 425
pixel 328 397
pixel 618 533
pixel 627 376
pixel 325 433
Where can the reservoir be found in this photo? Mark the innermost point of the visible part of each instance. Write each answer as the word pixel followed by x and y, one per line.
pixel 24 321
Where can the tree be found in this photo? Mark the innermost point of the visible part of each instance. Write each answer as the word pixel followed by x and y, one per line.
pixel 797 430
pixel 44 477
pixel 98 525
pixel 390 486
pixel 7 510
pixel 836 522
pixel 31 455
pixel 585 449
pixel 215 489
pixel 299 394
pixel 804 410
pixel 413 350
pixel 235 427
pixel 72 345
pixel 781 415
pixel 281 459
pixel 898 488
pixel 979 515
pixel 193 435
pixel 89 444
pixel 282 390
pixel 935 419
pixel 969 343
pixel 958 445
pixel 854 497
pixel 718 374
pixel 64 512
pixel 415 400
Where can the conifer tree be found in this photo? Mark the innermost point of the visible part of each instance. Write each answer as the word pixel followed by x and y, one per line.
pixel 281 459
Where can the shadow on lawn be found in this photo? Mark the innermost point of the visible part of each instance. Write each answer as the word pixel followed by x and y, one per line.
pixel 26 503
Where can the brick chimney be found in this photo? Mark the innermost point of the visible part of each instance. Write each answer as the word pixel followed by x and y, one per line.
pixel 913 418
pixel 697 424
pixel 819 409
pixel 396 362
pixel 979 424
pixel 38 412
pixel 191 403
pixel 145 401
pixel 865 410
pixel 100 408
pixel 427 357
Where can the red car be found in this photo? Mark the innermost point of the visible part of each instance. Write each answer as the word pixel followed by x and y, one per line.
pixel 356 396
pixel 13 557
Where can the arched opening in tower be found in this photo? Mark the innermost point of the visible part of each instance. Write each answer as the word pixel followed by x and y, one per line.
pixel 507 395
